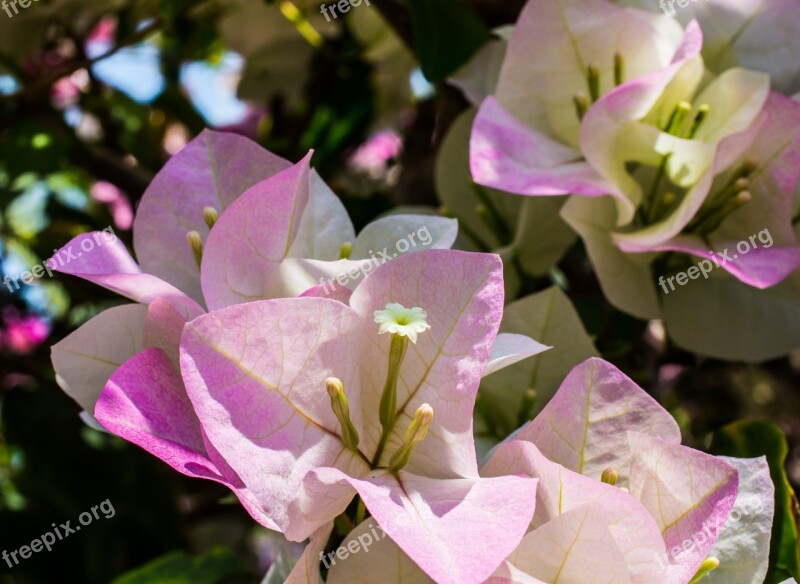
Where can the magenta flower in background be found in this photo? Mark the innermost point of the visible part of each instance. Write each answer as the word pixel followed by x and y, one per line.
pixel 374 156
pixel 20 333
pixel 117 202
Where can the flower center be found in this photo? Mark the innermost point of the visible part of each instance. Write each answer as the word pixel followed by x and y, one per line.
pixel 583 102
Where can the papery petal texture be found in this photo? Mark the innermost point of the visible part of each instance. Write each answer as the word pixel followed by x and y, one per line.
pixel 145 403
pixel 584 427
pixel 686 491
pixel 213 170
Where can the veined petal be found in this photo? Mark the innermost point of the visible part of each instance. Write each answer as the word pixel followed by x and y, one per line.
pixel 574 548
pixel 688 493
pixel 249 240
pixel 417 232
pixel 584 426
pixel 462 294
pixel 86 358
pixel 145 403
pixel 458 531
pixel 212 170
pixel 634 532
pixel 324 226
pixel 256 376
pixel 759 267
pixel 109 264
pixel 743 543
pixel 507 155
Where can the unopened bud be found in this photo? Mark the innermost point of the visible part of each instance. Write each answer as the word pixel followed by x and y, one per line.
pixel 196 243
pixel 210 216
pixel 609 476
pixel 341 409
pixel 415 434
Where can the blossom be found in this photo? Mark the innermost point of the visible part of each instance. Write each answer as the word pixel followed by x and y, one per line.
pixel 618 497
pixel 662 163
pixel 750 33
pixel 600 419
pixel 137 345
pixel 249 219
pixel 630 261
pixel 399 320
pixel 526 137
pixel 21 334
pixel 309 405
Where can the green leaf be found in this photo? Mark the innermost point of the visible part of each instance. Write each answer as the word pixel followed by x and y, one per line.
pixel 535 235
pixel 748 439
pixel 447 33
pixel 180 568
pixel 504 400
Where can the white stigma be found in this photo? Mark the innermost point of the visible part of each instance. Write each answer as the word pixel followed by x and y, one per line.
pixel 402 321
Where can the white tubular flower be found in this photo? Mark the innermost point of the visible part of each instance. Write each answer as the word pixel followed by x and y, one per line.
pixel 402 321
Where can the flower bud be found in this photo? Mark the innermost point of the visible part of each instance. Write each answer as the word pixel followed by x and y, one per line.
pixel 415 434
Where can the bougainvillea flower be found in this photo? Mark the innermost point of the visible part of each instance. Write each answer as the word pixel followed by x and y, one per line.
pixel 754 242
pixel 562 56
pixel 604 427
pixel 292 213
pixel 618 499
pixel 291 394
pixel 757 34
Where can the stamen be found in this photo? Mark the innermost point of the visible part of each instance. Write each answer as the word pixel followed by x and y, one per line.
pixel 210 216
pixel 609 476
pixel 196 243
pixel 619 70
pixel 581 105
pixel 678 118
pixel 415 434
pixel 345 250
pixel 593 80
pixel 699 118
pixel 709 564
pixel 341 409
